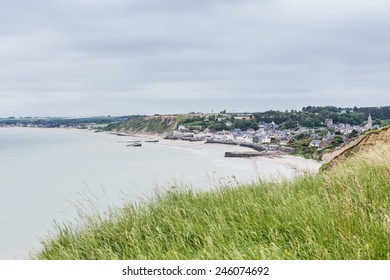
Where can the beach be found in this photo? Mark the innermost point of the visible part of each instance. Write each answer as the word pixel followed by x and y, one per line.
pixel 299 164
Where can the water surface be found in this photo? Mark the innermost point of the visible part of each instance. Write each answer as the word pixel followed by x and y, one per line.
pixel 47 175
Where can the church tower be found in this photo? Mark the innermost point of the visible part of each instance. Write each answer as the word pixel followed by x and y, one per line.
pixel 369 122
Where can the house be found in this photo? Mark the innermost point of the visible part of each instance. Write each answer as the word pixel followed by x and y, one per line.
pixel 324 144
pixel 228 123
pixel 244 118
pixel 237 132
pixel 266 140
pixel 267 126
pixel 182 128
pixel 315 143
pixel 283 142
pixel 328 122
pixel 358 128
pixel 302 130
pixel 328 136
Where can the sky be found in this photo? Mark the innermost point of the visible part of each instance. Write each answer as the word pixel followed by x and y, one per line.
pixel 123 57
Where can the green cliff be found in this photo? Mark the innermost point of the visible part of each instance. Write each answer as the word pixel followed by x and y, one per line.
pixel 146 125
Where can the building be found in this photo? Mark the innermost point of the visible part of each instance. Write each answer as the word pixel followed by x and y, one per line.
pixel 369 122
pixel 315 143
pixel 328 122
pixel 266 140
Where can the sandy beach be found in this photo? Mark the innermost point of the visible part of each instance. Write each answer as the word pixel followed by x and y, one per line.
pixel 299 164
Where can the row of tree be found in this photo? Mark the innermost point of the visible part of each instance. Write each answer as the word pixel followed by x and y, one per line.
pixel 313 116
pixel 310 116
pixel 57 122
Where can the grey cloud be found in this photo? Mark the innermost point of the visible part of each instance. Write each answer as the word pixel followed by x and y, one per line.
pixel 150 56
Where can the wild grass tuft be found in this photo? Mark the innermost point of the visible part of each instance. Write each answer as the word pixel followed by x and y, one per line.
pixel 343 213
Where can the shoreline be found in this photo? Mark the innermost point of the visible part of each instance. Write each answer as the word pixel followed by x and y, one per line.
pixel 296 163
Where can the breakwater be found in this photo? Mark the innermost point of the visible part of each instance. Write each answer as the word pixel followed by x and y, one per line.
pixel 254 146
pixel 242 154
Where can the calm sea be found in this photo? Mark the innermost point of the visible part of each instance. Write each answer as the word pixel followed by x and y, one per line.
pixel 49 175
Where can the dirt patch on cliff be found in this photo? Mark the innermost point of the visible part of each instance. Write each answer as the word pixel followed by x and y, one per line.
pixel 362 143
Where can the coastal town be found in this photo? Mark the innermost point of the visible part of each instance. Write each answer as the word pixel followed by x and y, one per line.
pixel 269 137
pixel 310 133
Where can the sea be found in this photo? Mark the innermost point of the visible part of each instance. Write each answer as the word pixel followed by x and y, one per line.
pixel 50 177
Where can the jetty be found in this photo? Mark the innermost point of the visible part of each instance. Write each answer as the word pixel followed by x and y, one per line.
pixel 243 154
pixel 136 144
pixel 253 146
pixel 119 134
pixel 267 154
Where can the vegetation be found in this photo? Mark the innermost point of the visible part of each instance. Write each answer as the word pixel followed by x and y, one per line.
pixel 155 124
pixel 302 147
pixel 314 116
pixel 57 122
pixel 218 122
pixel 339 214
pixel 309 117
pixel 364 142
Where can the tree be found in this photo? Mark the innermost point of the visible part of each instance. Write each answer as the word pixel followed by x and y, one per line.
pixel 338 140
pixel 290 124
pixel 353 134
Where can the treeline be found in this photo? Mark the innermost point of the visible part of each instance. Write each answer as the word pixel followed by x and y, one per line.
pixel 310 116
pixel 314 116
pixel 219 122
pixel 236 124
pixel 57 122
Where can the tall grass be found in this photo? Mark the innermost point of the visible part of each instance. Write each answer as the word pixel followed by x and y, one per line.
pixel 341 214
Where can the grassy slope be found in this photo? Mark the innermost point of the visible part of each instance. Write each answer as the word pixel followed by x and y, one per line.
pixel 155 125
pixel 362 143
pixel 341 214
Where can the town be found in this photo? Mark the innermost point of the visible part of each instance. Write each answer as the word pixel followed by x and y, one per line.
pixel 309 142
pixel 310 133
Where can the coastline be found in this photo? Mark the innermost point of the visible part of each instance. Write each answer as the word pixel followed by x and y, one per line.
pixel 72 179
pixel 298 164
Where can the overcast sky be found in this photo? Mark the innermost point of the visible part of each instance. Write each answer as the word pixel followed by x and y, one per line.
pixel 99 57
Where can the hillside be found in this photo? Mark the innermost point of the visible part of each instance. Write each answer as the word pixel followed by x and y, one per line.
pixel 339 214
pixel 146 125
pixel 362 143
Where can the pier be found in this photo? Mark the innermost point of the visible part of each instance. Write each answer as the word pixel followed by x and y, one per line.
pixel 242 154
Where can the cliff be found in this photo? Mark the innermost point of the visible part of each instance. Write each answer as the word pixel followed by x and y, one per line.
pixel 146 125
pixel 363 143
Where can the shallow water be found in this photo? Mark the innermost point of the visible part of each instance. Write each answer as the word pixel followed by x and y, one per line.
pixel 47 175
